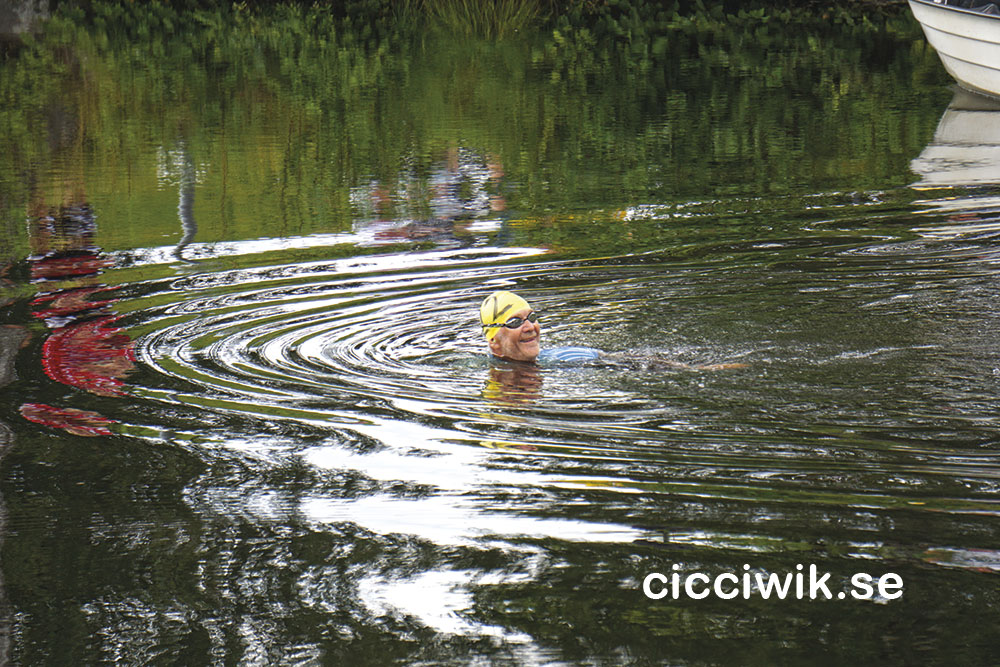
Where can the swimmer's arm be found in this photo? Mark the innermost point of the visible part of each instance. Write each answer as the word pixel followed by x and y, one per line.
pixel 720 367
pixel 644 359
pixel 656 361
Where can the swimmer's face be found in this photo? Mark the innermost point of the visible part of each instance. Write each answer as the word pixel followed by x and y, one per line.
pixel 520 344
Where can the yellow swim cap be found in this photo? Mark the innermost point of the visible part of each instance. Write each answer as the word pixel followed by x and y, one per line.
pixel 497 308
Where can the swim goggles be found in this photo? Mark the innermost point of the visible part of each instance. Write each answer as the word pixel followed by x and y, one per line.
pixel 514 322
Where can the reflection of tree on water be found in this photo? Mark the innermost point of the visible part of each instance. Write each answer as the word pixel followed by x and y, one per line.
pixel 436 206
pixel 185 203
pixel 86 348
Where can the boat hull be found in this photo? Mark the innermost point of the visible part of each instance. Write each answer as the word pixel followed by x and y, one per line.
pixel 968 43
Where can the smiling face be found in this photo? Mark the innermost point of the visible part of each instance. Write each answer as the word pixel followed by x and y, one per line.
pixel 520 344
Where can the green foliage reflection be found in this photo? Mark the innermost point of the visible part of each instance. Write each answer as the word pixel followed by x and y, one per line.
pixel 284 112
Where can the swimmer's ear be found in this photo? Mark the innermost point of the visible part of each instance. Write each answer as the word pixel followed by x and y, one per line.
pixel 495 346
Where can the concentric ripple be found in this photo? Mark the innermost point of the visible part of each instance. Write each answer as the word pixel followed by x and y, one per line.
pixel 809 367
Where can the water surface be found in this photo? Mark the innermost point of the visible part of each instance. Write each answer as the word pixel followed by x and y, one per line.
pixel 246 411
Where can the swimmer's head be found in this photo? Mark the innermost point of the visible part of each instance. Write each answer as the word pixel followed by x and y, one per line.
pixel 497 308
pixel 510 327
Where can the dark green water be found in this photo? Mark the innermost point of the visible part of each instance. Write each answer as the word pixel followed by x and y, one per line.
pixel 243 421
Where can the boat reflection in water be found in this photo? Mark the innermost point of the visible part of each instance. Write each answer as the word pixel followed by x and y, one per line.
pixel 964 154
pixel 966 146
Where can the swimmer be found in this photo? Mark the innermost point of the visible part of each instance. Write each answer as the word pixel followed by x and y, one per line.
pixel 513 333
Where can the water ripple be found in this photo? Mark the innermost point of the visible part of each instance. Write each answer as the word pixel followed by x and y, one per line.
pixel 384 351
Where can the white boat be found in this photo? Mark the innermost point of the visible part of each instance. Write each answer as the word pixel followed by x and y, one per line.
pixel 966 35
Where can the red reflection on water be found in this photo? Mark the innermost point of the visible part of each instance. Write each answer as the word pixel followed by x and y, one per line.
pixel 71 420
pixel 93 355
pixel 85 349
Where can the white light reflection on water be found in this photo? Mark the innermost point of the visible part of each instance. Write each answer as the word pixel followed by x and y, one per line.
pixel 456 520
pixel 440 600
pixel 368 263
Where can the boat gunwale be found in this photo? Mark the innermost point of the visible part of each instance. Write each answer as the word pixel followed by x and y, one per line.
pixel 960 10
